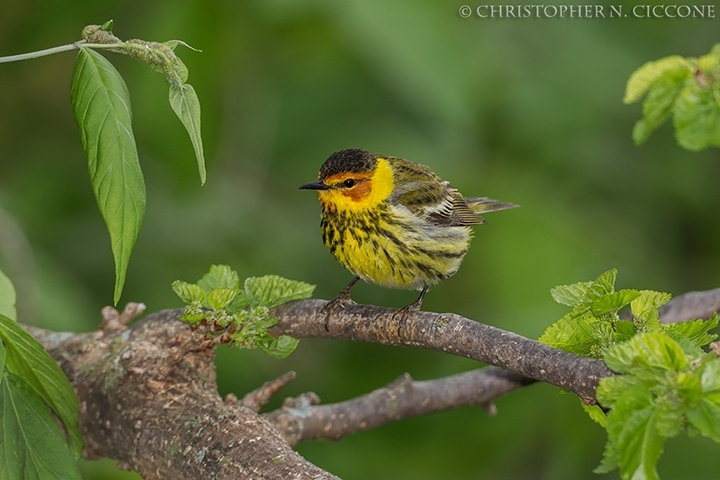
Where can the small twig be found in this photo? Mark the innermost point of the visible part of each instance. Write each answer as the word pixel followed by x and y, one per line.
pixel 39 53
pixel 260 396
pixel 113 321
pixel 404 398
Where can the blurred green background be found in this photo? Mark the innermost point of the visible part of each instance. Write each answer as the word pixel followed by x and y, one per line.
pixel 524 110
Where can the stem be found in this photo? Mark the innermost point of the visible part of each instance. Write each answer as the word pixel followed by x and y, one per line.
pixel 64 48
pixel 39 53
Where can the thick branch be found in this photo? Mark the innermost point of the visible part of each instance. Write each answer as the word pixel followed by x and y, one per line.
pixel 446 332
pixel 148 394
pixel 690 306
pixel 148 398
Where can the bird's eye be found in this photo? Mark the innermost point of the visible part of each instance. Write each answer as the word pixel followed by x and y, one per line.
pixel 349 183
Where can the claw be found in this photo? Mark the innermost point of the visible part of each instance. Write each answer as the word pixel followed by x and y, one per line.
pixel 340 301
pixel 414 306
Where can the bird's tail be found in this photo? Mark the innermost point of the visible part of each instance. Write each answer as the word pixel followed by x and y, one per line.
pixel 484 205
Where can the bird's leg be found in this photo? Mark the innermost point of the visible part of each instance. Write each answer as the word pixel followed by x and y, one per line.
pixel 344 295
pixel 414 306
pixel 341 300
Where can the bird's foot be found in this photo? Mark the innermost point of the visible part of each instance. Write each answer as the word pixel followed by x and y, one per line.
pixel 409 309
pixel 340 302
pixel 413 307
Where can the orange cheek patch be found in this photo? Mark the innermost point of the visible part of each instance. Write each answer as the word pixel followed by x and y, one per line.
pixel 359 191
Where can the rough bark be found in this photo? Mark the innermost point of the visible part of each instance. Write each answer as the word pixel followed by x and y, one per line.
pixel 148 396
pixel 444 332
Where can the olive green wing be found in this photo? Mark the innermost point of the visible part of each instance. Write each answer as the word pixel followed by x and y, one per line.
pixel 426 195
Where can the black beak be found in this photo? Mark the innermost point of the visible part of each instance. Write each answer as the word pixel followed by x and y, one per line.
pixel 316 185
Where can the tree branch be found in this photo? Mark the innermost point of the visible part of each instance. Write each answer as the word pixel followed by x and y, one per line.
pixel 148 395
pixel 444 332
pixel 148 398
pixel 691 306
pixel 302 419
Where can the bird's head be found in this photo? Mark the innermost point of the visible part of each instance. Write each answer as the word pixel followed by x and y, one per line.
pixel 353 179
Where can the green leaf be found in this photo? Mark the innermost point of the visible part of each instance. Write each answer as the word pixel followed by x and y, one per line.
pixel 645 308
pixel 611 389
pixel 696 331
pixel 571 295
pixel 631 429
pixel 646 355
pixel 609 461
pixel 3 354
pixel 189 292
pixel 596 414
pixel 7 297
pixel 27 358
pixel 645 76
pixel 219 276
pixel 101 104
pixel 612 302
pixel 279 347
pixel 706 417
pixel 604 284
pixel 272 290
pixel 572 334
pixel 220 298
pixel 659 103
pixel 240 303
pixel 186 105
pixel 697 117
pixel 31 444
pixel 710 377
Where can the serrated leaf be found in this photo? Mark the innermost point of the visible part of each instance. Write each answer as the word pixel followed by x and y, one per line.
pixel 189 292
pixel 604 284
pixel 611 389
pixel 272 290
pixel 572 334
pixel 7 297
pixel 101 105
pixel 612 302
pixel 710 377
pixel 668 418
pixel 31 444
pixel 706 417
pixel 219 276
pixel 26 357
pixel 631 429
pixel 571 295
pixel 596 414
pixel 193 313
pixel 645 309
pixel 646 354
pixel 240 303
pixel 186 105
pixel 220 298
pixel 279 347
pixel 697 117
pixel 609 461
pixel 695 331
pixel 645 76
pixel 659 103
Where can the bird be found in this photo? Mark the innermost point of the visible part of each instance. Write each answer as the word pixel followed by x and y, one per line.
pixel 393 222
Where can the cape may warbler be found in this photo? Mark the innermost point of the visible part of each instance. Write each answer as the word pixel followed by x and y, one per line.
pixel 394 222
